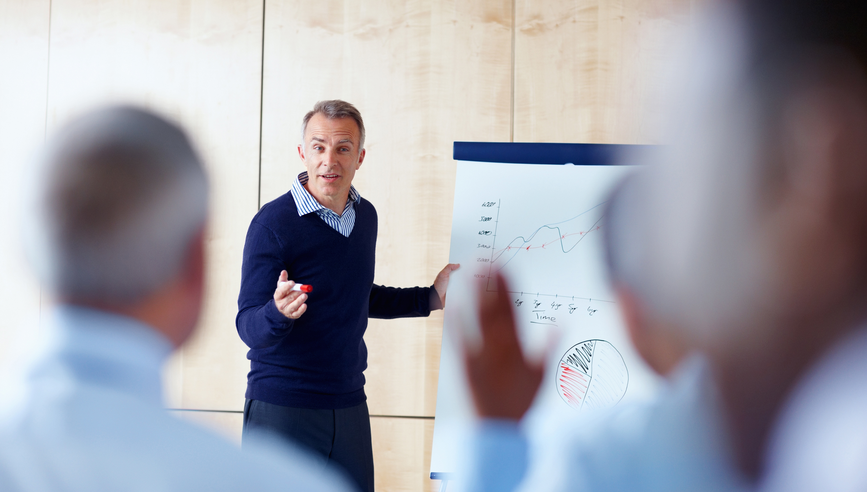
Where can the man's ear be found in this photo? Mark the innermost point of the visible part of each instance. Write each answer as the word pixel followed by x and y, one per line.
pixel 360 158
pixel 301 153
pixel 633 318
pixel 196 260
pixel 192 290
pixel 661 348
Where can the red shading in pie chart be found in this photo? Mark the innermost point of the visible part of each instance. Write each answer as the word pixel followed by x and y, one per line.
pixel 592 374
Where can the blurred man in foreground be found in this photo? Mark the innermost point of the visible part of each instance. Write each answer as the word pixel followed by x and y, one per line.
pixel 767 264
pixel 759 249
pixel 117 238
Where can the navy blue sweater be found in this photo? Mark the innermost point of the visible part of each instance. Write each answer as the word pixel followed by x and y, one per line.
pixel 316 361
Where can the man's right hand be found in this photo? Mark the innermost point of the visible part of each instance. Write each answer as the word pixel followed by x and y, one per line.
pixel 289 302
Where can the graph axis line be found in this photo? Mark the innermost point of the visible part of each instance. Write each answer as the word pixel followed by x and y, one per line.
pixel 537 294
pixel 493 248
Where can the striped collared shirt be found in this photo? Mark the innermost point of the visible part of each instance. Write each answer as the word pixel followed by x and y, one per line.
pixel 306 204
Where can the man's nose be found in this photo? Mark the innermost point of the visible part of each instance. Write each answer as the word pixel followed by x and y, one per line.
pixel 330 157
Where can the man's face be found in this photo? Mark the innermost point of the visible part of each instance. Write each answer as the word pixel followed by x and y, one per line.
pixel 331 152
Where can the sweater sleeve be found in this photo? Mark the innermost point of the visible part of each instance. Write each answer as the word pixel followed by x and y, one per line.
pixel 395 302
pixel 260 324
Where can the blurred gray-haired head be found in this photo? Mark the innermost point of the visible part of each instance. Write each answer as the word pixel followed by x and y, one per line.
pixel 116 199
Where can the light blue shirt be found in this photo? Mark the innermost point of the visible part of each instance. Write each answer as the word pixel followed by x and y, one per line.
pixel 819 439
pixel 676 444
pixel 88 416
pixel 343 223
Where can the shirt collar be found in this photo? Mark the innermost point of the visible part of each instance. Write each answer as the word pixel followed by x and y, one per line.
pixel 306 203
pixel 109 349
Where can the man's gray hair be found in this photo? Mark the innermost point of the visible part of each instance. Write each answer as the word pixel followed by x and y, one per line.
pixel 333 109
pixel 118 195
pixel 623 236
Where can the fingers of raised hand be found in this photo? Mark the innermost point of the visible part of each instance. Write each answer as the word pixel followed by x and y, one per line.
pixel 496 320
pixel 502 380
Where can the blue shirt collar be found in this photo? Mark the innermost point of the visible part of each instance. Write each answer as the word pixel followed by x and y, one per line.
pixel 109 349
pixel 305 202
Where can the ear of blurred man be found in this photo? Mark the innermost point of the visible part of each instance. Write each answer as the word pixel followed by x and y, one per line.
pixel 662 347
pixel 189 287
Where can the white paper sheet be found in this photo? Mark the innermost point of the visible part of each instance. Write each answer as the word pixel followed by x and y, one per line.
pixel 541 226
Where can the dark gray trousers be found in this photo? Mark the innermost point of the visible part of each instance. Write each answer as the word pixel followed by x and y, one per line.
pixel 339 437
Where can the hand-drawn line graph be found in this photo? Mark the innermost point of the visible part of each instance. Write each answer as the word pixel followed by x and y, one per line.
pixel 568 234
pixel 592 374
pixel 521 244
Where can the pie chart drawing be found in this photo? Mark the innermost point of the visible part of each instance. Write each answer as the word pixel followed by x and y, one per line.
pixel 592 374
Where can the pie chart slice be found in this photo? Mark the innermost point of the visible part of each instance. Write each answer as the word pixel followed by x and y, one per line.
pixel 592 374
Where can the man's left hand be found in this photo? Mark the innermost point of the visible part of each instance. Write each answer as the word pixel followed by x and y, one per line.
pixel 441 283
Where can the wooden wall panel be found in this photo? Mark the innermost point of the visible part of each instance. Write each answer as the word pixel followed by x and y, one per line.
pixel 403 370
pixel 590 70
pixel 23 80
pixel 423 74
pixel 199 62
pixel 401 453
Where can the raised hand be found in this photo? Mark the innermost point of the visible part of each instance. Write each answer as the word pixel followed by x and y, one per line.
pixel 501 379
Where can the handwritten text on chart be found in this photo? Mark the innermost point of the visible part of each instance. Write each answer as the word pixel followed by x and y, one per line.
pixel 544 312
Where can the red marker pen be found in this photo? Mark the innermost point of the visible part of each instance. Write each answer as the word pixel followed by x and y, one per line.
pixel 302 288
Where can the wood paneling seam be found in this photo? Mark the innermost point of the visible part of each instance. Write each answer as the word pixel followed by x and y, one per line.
pixel 514 75
pixel 261 104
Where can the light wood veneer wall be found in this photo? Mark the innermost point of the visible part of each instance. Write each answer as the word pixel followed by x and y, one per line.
pixel 240 74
